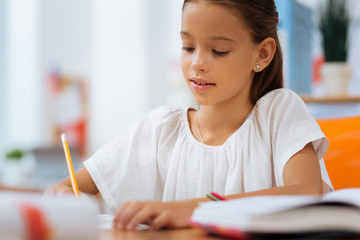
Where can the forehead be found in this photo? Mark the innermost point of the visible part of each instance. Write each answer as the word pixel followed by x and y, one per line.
pixel 211 18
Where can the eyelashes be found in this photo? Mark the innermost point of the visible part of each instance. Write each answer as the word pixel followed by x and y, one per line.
pixel 188 49
pixel 218 53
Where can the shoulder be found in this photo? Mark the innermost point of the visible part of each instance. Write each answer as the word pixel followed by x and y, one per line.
pixel 281 109
pixel 278 96
pixel 280 101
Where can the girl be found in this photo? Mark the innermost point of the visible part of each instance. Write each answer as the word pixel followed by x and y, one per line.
pixel 248 137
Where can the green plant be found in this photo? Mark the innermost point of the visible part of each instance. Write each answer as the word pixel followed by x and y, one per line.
pixel 334 27
pixel 15 154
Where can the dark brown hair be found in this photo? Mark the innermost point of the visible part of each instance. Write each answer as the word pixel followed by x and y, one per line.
pixel 261 19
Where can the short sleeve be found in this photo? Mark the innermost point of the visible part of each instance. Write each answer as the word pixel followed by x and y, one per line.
pixel 291 128
pixel 126 169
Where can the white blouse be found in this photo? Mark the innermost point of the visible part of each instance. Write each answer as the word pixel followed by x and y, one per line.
pixel 158 158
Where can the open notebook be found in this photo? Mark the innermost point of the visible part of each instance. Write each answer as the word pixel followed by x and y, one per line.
pixel 336 214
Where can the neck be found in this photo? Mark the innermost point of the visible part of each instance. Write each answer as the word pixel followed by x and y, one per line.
pixel 216 123
pixel 223 117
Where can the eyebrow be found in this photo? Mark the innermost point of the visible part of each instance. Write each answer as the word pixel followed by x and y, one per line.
pixel 222 38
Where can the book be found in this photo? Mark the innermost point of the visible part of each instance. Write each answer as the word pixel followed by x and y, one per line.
pixel 335 214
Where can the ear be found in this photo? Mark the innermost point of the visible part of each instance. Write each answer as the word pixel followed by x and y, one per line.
pixel 266 52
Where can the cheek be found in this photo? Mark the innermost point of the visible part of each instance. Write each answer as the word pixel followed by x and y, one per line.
pixel 185 62
pixel 231 66
pixel 236 68
pixel 243 63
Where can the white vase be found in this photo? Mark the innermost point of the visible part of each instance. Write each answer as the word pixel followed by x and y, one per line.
pixel 336 78
pixel 12 173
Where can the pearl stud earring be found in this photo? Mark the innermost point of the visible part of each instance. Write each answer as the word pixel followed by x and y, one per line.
pixel 257 68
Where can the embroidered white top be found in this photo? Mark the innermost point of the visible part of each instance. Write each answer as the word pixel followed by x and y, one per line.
pixel 158 158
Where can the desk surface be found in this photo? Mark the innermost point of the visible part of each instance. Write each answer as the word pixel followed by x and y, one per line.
pixel 188 234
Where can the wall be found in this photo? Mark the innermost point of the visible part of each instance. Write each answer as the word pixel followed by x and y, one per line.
pixel 3 72
pixel 118 88
pixel 136 67
pixel 66 38
pixel 23 86
pixel 163 51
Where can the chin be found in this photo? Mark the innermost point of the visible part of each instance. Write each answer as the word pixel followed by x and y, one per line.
pixel 202 101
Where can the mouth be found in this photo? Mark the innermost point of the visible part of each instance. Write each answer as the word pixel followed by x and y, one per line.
pixel 201 82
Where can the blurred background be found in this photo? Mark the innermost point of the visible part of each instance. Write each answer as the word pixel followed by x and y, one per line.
pixel 90 68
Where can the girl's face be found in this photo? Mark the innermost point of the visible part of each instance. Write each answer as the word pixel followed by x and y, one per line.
pixel 218 56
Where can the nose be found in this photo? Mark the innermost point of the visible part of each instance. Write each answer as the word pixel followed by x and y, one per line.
pixel 198 62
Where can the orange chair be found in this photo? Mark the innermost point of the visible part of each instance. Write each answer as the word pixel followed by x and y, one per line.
pixel 342 159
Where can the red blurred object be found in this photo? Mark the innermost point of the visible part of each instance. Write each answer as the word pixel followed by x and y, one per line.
pixel 68 109
pixel 317 63
pixel 77 133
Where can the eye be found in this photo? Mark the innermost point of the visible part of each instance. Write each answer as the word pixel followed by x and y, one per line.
pixel 188 49
pixel 219 53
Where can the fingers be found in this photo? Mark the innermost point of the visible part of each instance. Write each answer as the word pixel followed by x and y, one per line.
pixel 146 213
pixel 160 221
pixel 58 189
pixel 131 214
pixel 156 214
pixel 123 219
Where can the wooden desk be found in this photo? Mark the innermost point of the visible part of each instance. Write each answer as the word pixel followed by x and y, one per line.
pixel 188 234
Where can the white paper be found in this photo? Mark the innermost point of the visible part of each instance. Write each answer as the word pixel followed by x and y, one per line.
pixel 105 223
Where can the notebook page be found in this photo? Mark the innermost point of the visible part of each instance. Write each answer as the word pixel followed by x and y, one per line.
pixel 348 195
pixel 237 212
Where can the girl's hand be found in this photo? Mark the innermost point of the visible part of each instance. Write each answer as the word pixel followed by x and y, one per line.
pixel 155 214
pixel 59 189
pixel 85 183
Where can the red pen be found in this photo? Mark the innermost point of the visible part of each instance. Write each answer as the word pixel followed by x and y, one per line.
pixel 218 196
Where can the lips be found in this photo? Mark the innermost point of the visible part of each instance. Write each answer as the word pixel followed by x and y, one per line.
pixel 200 85
pixel 201 82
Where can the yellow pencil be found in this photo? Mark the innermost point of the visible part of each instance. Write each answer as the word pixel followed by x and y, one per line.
pixel 70 165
